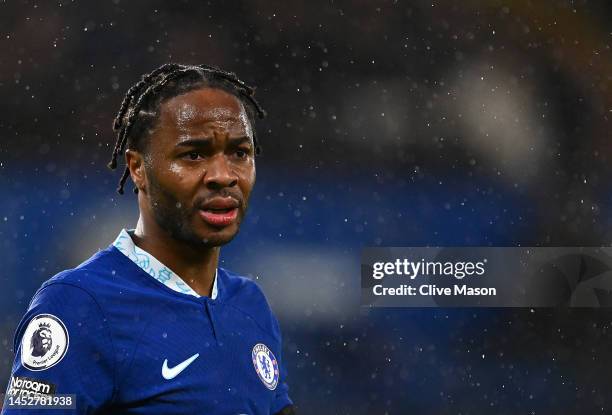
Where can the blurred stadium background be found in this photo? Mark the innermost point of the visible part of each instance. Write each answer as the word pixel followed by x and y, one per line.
pixel 391 123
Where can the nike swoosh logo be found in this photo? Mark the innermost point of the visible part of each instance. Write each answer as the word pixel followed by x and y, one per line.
pixel 172 372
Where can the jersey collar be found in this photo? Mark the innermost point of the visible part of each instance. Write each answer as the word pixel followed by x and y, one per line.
pixel 154 267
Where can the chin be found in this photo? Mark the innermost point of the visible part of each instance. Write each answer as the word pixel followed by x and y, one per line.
pixel 215 241
pixel 218 238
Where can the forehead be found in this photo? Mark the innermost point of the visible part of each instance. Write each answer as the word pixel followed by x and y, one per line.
pixel 205 108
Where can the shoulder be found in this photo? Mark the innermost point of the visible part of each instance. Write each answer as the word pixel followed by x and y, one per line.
pixel 73 286
pixel 85 300
pixel 247 296
pixel 90 273
pixel 74 295
pixel 105 277
pixel 235 284
pixel 238 289
pixel 64 304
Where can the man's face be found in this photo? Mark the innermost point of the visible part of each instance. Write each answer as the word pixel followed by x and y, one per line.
pixel 200 167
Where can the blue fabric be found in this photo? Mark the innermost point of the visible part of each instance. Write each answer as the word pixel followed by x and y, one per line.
pixel 124 325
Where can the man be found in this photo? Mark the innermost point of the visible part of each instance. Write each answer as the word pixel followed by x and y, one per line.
pixel 152 324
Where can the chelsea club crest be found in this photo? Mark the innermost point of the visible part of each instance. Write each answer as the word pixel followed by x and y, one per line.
pixel 266 365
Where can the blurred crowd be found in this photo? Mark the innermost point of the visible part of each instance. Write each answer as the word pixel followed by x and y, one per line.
pixel 390 123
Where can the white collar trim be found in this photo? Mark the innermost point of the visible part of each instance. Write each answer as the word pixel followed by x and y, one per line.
pixel 154 267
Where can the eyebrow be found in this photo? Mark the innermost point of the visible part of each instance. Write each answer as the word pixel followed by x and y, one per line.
pixel 205 142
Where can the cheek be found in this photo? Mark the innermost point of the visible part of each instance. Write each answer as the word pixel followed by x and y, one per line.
pixel 248 180
pixel 175 169
pixel 178 179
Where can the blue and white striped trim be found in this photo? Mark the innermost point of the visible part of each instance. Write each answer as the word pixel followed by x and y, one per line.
pixel 153 267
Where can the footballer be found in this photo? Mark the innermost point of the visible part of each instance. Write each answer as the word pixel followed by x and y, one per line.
pixel 152 324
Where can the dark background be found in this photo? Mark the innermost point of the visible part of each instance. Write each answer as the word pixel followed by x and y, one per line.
pixel 391 123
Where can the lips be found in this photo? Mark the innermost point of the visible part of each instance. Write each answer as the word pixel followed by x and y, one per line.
pixel 220 212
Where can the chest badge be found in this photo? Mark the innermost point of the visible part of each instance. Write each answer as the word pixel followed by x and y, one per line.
pixel 265 365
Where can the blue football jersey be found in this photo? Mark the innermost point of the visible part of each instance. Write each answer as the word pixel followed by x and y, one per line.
pixel 124 335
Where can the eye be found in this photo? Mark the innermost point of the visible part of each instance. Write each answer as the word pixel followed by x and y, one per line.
pixel 192 155
pixel 243 152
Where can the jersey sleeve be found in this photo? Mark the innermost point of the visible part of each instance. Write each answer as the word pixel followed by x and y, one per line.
pixel 63 347
pixel 282 404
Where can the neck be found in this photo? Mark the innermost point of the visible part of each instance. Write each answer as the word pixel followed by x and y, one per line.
pixel 194 265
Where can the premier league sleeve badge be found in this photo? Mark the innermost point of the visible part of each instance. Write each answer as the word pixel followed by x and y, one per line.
pixel 44 342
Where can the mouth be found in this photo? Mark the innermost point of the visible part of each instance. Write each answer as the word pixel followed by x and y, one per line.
pixel 220 212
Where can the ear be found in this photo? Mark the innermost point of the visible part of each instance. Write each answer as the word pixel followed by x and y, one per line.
pixel 136 163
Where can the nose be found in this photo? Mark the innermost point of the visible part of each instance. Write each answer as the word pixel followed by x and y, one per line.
pixel 218 174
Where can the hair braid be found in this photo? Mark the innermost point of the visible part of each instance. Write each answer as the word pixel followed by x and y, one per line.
pixel 127 100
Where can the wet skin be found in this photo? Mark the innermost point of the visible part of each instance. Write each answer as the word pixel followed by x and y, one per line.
pixel 194 182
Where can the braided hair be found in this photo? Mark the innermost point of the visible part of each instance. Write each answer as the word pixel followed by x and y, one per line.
pixel 139 109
